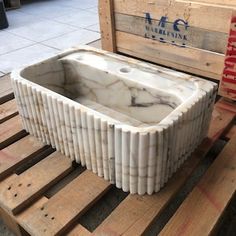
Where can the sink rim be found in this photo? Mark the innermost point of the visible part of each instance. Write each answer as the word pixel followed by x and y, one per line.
pixel 202 89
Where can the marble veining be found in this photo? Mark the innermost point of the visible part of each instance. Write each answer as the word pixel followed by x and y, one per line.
pixel 130 122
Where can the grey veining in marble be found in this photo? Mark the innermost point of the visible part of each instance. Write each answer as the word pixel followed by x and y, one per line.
pixel 130 122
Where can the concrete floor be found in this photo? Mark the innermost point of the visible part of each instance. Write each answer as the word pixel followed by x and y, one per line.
pixel 42 28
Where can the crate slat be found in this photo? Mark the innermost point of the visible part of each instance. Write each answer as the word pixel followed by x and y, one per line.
pixel 198 15
pixel 184 59
pixel 198 38
pixel 202 209
pixel 10 131
pixel 66 206
pixel 17 191
pixel 136 213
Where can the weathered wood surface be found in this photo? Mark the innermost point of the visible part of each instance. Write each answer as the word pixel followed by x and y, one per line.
pixel 192 37
pixel 190 59
pixel 6 92
pixel 8 110
pixel 107 25
pixel 205 205
pixel 66 206
pixel 18 191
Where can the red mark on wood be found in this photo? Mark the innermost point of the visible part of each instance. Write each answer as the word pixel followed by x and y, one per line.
pixel 210 198
pixel 183 228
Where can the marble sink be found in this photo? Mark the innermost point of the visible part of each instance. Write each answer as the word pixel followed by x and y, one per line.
pixel 130 122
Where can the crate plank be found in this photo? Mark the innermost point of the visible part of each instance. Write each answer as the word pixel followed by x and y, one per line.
pixel 17 153
pixel 8 110
pixel 17 191
pixel 136 213
pixel 218 2
pixel 197 14
pixel 6 92
pixel 60 211
pixel 107 25
pixel 10 131
pixel 202 209
pixel 190 59
pixel 195 37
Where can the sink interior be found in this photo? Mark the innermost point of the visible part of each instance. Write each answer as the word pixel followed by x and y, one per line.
pixel 124 91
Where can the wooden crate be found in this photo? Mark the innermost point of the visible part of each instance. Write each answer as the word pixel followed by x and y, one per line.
pixel 43 193
pixel 190 36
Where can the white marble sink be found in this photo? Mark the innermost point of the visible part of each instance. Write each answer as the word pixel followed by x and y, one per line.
pixel 130 122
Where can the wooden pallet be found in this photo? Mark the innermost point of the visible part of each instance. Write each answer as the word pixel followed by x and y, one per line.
pixel 43 193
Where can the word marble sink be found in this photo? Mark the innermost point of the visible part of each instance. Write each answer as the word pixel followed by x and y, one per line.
pixel 128 121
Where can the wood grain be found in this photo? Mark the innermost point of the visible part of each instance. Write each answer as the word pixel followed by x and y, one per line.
pixel 8 110
pixel 197 14
pixel 205 205
pixel 60 211
pixel 188 59
pixel 195 37
pixel 17 191
pixel 6 92
pixel 106 17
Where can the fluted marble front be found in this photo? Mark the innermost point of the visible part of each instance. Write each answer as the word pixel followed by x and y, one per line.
pixel 129 122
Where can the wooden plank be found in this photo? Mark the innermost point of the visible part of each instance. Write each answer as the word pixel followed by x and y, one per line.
pixel 79 230
pixel 230 3
pixel 204 206
pixel 196 14
pixel 8 110
pixel 6 92
pixel 186 36
pixel 17 191
pixel 17 153
pixel 193 60
pixel 10 131
pixel 136 213
pixel 61 210
pixel 227 104
pixel 230 133
pixel 27 214
pixel 106 17
pixel 228 81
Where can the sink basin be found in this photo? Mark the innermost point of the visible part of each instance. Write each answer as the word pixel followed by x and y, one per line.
pixel 130 122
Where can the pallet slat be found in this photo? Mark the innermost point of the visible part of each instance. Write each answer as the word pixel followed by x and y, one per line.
pixel 136 213
pixel 202 209
pixel 6 92
pixel 10 131
pixel 8 110
pixel 17 153
pixel 17 191
pixel 66 206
